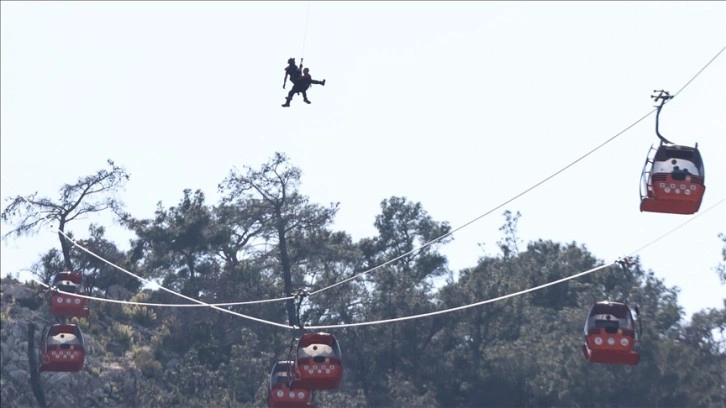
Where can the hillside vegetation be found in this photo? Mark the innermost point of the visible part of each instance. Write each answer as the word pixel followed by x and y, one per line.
pixel 266 240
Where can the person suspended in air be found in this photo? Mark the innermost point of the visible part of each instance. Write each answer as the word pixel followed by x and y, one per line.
pixel 301 86
pixel 307 80
pixel 293 71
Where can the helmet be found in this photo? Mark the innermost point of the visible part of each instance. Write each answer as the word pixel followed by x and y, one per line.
pixel 306 70
pixel 291 61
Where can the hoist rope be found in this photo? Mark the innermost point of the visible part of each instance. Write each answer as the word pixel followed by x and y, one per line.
pixel 305 33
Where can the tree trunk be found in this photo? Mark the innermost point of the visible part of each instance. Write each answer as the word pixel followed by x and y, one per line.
pixel 65 245
pixel 286 271
pixel 34 374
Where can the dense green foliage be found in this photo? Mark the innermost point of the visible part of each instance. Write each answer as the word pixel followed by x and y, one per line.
pixel 264 239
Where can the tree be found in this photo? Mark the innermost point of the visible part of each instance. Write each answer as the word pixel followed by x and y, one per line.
pixel 509 244
pixel 99 263
pixel 49 265
pixel 274 187
pixel 89 194
pixel 176 244
pixel 721 268
pixel 406 256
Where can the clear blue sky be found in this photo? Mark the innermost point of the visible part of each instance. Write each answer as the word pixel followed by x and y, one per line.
pixel 457 105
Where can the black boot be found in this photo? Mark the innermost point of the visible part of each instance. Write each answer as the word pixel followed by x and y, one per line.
pixel 286 104
pixel 323 83
pixel 307 101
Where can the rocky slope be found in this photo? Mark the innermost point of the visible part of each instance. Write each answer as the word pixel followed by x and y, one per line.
pixel 109 377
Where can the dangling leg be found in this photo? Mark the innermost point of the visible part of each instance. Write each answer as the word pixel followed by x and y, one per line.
pixel 289 98
pixel 305 97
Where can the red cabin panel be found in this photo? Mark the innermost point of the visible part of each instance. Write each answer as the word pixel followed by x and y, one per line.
pixel 673 180
pixel 280 395
pixel 616 348
pixel 319 364
pixel 63 305
pixel 667 195
pixel 62 349
pixel 68 306
pixel 610 335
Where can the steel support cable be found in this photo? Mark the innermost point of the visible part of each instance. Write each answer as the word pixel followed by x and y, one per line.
pixel 527 190
pixel 88 251
pixel 415 250
pixel 130 302
pixel 410 252
pixel 191 299
pixel 82 248
pixel 665 96
pixel 700 71
pixel 679 226
pixel 422 315
pixel 522 292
